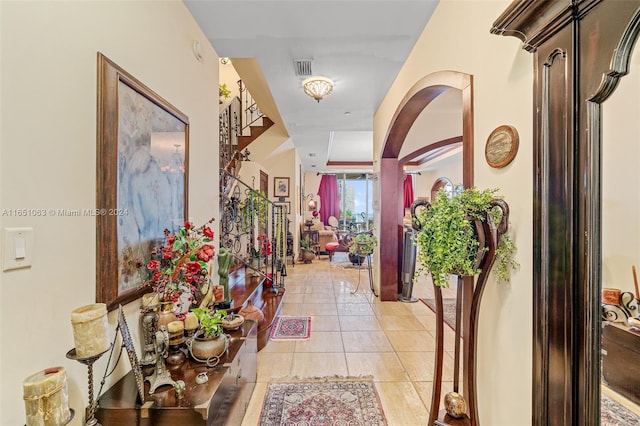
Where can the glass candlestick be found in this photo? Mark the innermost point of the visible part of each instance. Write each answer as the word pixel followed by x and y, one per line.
pixel 90 419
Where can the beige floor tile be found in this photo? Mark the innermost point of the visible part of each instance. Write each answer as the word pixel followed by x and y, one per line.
pixel 406 341
pixel 359 323
pixel 325 323
pixel 420 365
pixel 400 322
pixel 429 321
pixel 391 308
pixel 273 364
pixel 319 309
pixel 354 309
pixel 349 297
pixel 401 404
pixel 324 298
pixel 384 367
pixel 315 364
pixel 252 416
pixel 366 341
pixel 321 341
pixel 291 309
pixel 293 297
pixel 279 346
pixel 425 390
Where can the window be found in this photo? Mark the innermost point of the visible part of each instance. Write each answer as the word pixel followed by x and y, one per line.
pixel 356 196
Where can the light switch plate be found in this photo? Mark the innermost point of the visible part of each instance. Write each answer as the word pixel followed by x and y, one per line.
pixel 18 248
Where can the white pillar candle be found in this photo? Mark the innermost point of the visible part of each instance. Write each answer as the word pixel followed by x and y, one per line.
pixel 175 326
pixel 46 398
pixel 90 330
pixel 191 321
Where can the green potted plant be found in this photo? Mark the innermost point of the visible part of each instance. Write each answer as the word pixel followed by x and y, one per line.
pixel 361 245
pixel 209 341
pixel 448 237
pixel 223 92
pixel 306 249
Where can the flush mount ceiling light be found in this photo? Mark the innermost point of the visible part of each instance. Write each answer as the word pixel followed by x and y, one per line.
pixel 317 87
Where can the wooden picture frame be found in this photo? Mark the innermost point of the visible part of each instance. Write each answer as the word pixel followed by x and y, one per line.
pixel 285 204
pixel 502 146
pixel 142 180
pixel 281 187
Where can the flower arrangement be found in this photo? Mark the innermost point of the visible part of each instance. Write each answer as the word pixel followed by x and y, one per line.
pixel 265 245
pixel 178 267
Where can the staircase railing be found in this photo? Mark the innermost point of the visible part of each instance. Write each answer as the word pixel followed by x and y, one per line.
pixel 250 110
pixel 254 229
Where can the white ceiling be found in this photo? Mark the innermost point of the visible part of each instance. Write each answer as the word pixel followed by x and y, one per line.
pixel 359 44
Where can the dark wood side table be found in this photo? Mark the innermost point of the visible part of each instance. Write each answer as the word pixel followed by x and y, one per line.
pixel 621 359
pixel 222 400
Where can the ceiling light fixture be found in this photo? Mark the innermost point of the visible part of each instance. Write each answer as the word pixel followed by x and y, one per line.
pixel 317 87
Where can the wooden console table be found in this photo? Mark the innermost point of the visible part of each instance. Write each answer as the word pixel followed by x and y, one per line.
pixel 621 359
pixel 222 400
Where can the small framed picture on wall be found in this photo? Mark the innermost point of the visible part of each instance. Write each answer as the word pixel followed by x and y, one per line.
pixel 281 187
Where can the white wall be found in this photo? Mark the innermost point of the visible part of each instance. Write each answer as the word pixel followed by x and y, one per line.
pixel 48 160
pixel 457 38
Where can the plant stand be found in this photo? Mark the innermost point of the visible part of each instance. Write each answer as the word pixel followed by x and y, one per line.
pixel 468 298
pixel 90 419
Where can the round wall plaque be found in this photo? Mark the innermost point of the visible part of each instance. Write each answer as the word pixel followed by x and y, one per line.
pixel 502 146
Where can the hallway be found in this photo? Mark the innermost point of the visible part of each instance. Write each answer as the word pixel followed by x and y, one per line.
pixel 357 335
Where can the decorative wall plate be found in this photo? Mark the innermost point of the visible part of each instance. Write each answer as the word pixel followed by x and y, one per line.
pixel 502 146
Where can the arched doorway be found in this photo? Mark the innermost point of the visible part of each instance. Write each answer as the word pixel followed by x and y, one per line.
pixel 391 165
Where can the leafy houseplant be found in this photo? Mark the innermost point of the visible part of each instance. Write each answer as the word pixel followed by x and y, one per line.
pixel 223 91
pixel 210 321
pixel 306 249
pixel 209 341
pixel 363 244
pixel 448 241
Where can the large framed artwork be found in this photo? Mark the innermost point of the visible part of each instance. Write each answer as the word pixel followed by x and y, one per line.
pixel 142 178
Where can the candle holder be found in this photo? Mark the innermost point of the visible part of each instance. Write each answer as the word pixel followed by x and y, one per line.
pixel 88 361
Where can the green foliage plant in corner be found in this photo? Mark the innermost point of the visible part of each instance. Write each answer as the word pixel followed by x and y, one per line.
pixel 447 242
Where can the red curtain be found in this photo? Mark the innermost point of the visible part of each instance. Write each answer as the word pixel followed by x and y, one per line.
pixel 408 191
pixel 329 198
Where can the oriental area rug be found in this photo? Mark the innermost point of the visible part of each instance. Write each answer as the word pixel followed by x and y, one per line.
pixel 291 328
pixel 614 414
pixel 322 402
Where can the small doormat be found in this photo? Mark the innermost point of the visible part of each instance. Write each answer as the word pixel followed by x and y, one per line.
pixel 322 403
pixel 291 328
pixel 614 414
pixel 449 313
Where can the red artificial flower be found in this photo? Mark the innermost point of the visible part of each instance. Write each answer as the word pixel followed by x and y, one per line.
pixel 170 240
pixel 153 264
pixel 207 232
pixel 193 267
pixel 187 225
pixel 157 275
pixel 206 253
pixel 167 253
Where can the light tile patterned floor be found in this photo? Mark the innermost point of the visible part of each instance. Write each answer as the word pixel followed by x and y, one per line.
pixel 357 335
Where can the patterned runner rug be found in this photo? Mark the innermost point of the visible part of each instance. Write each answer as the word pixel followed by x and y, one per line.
pixel 323 403
pixel 449 310
pixel 291 328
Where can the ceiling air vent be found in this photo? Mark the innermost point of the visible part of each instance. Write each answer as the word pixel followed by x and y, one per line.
pixel 302 67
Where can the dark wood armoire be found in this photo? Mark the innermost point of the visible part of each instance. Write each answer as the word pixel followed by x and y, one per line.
pixel 581 49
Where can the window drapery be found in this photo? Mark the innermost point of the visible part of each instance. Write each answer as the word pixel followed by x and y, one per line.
pixel 408 191
pixel 329 198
